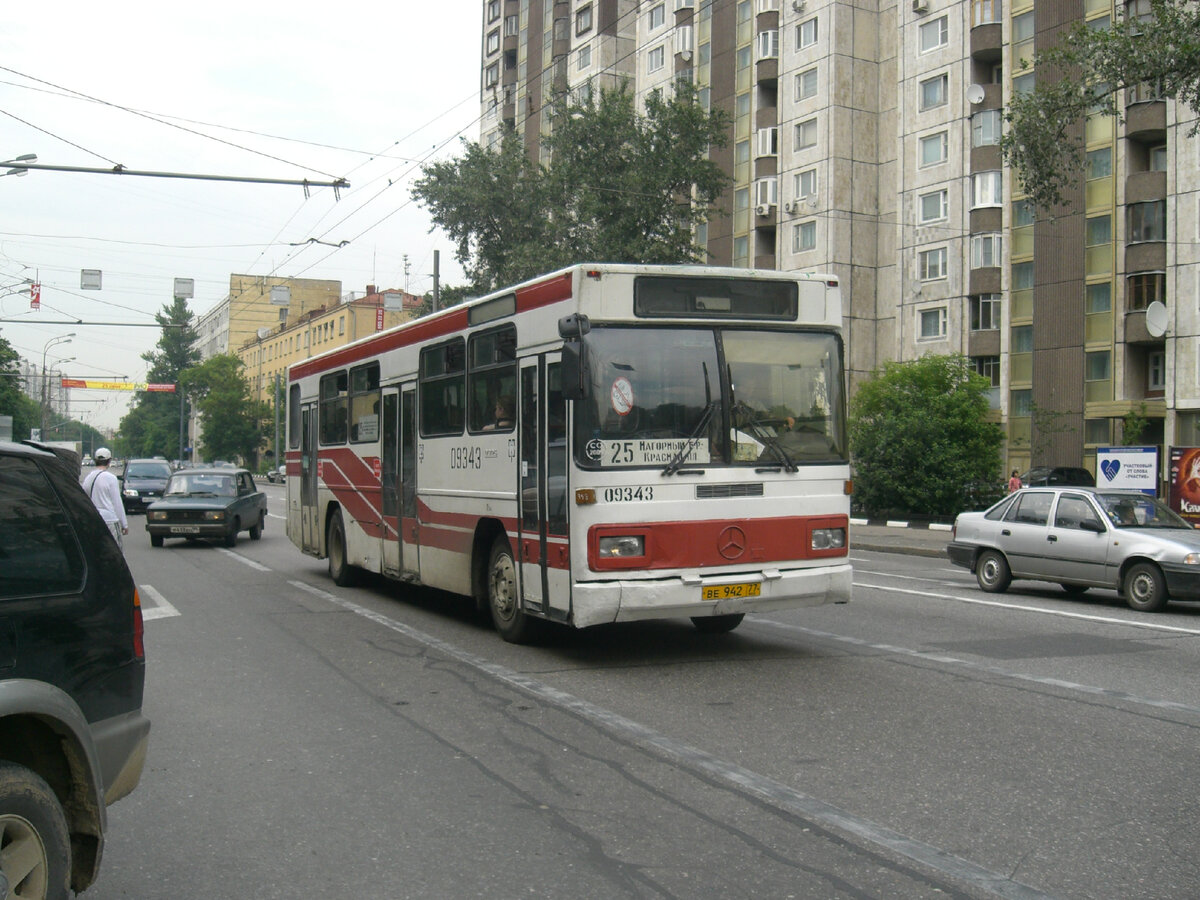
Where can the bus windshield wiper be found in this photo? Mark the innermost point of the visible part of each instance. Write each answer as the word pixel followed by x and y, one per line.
pixel 682 453
pixel 769 440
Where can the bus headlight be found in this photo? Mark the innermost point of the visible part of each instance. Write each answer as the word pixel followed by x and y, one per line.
pixel 828 538
pixel 622 546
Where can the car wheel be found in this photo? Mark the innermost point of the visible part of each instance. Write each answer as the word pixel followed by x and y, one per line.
pixel 256 529
pixel 33 832
pixel 156 540
pixel 1075 589
pixel 504 599
pixel 992 572
pixel 718 624
pixel 1145 589
pixel 342 573
pixel 231 535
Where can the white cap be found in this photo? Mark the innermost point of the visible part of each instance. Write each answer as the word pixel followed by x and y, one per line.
pixel 102 454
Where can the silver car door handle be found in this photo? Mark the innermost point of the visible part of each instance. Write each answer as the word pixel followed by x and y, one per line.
pixel 1052 537
pixel 1005 532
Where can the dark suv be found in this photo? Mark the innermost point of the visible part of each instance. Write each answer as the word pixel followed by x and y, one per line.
pixel 142 482
pixel 1066 476
pixel 72 665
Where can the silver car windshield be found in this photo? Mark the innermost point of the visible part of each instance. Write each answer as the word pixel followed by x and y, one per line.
pixel 1139 511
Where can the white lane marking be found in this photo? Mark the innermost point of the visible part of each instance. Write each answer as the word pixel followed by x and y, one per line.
pixel 1104 620
pixel 980 667
pixel 161 608
pixel 774 792
pixel 243 560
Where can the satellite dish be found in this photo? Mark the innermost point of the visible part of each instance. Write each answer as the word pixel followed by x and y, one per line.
pixel 1156 318
pixel 975 94
pixel 263 332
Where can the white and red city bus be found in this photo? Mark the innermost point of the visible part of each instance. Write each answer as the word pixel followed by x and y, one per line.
pixel 602 444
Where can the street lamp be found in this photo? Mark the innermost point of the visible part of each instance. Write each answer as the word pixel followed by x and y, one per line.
pixel 18 170
pixel 61 339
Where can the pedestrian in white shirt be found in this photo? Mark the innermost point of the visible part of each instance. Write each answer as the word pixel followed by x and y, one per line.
pixel 104 489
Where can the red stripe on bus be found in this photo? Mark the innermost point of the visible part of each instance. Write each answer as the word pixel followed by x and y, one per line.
pixel 718 542
pixel 544 293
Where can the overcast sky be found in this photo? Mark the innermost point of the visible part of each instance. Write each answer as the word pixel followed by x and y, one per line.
pixel 355 90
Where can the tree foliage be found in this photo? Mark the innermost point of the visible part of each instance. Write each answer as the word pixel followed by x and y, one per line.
pixel 921 439
pixel 151 428
pixel 1089 69
pixel 13 400
pixel 619 187
pixel 232 422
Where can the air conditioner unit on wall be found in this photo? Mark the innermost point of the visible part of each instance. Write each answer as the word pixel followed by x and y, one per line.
pixel 920 6
pixel 762 209
pixel 790 206
pixel 798 6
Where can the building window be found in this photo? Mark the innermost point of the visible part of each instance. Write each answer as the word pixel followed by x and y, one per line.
pixel 741 153
pixel 512 26
pixel 1020 404
pixel 985 312
pixel 1099 163
pixel 806 33
pixel 806 134
pixel 1097 231
pixel 1158 158
pixel 493 42
pixel 1148 221
pixel 1097 298
pixel 1097 365
pixel 766 191
pixel 933 323
pixel 933 149
pixel 986 250
pixel 1022 339
pixel 987 189
pixel 1097 431
pixel 934 34
pixel 745 57
pixel 583 19
pixel 741 251
pixel 932 207
pixel 493 10
pixel 804 237
pixel 805 183
pixel 1022 276
pixel 656 59
pixel 1022 28
pixel 768 44
pixel 1143 288
pixel 1022 213
pixel 1024 84
pixel 985 12
pixel 934 91
pixel 491 75
pixel 806 84
pixel 932 264
pixel 583 59
pixel 985 128
pixel 768 5
pixel 657 16
pixel 1156 371
pixel 768 141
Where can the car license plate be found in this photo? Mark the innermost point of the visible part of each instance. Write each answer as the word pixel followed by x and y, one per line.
pixel 185 529
pixel 726 591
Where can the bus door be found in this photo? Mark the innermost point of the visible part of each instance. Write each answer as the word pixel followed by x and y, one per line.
pixel 310 528
pixel 389 477
pixel 543 549
pixel 409 530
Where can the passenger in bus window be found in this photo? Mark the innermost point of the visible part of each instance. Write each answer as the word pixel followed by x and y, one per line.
pixel 505 416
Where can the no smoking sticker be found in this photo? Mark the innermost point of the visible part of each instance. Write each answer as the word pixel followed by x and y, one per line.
pixel 622 396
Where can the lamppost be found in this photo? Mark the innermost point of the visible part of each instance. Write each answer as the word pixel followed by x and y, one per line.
pixel 18 170
pixel 61 339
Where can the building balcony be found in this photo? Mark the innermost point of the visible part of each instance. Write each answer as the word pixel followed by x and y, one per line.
pixel 1146 121
pixel 1143 186
pixel 987 42
pixel 766 71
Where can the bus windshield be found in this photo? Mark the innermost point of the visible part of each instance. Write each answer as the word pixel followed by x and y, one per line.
pixel 666 397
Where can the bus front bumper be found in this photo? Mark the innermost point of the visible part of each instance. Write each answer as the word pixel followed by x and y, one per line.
pixel 599 602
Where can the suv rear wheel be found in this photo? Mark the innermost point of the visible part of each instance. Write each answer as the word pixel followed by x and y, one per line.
pixel 36 854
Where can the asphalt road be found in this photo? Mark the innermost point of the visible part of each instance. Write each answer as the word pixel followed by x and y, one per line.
pixel 925 740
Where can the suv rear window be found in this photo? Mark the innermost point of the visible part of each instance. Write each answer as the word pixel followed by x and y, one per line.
pixel 38 550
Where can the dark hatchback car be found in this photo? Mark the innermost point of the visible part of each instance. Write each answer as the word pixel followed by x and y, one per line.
pixel 1051 476
pixel 208 503
pixel 72 667
pixel 142 482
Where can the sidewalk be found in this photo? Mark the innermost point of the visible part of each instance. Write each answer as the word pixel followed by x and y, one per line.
pixel 899 537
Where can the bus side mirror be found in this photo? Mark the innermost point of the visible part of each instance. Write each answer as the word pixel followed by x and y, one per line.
pixel 573 369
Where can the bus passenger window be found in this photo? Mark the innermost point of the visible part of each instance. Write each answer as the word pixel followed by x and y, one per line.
pixel 332 424
pixel 442 389
pixel 492 379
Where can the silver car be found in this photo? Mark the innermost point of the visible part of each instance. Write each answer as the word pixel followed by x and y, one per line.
pixel 1082 537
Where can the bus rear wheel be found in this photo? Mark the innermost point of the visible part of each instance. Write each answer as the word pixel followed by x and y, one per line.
pixel 504 598
pixel 718 624
pixel 342 573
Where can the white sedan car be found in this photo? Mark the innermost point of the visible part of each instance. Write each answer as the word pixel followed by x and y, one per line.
pixel 1082 537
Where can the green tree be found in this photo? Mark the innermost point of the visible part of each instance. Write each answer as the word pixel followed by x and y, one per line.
pixel 619 187
pixel 1089 69
pixel 232 423
pixel 151 428
pixel 921 439
pixel 13 401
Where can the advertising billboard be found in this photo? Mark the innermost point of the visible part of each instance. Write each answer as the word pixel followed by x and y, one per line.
pixel 1184 483
pixel 1131 468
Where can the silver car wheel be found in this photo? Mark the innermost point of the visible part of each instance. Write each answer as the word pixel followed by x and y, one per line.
pixel 992 572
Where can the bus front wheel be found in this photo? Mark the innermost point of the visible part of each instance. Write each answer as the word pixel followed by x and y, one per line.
pixel 504 599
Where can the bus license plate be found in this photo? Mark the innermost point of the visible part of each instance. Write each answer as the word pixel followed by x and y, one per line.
pixel 185 529
pixel 726 591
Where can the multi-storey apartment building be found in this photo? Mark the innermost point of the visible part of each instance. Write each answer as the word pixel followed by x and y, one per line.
pixel 865 142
